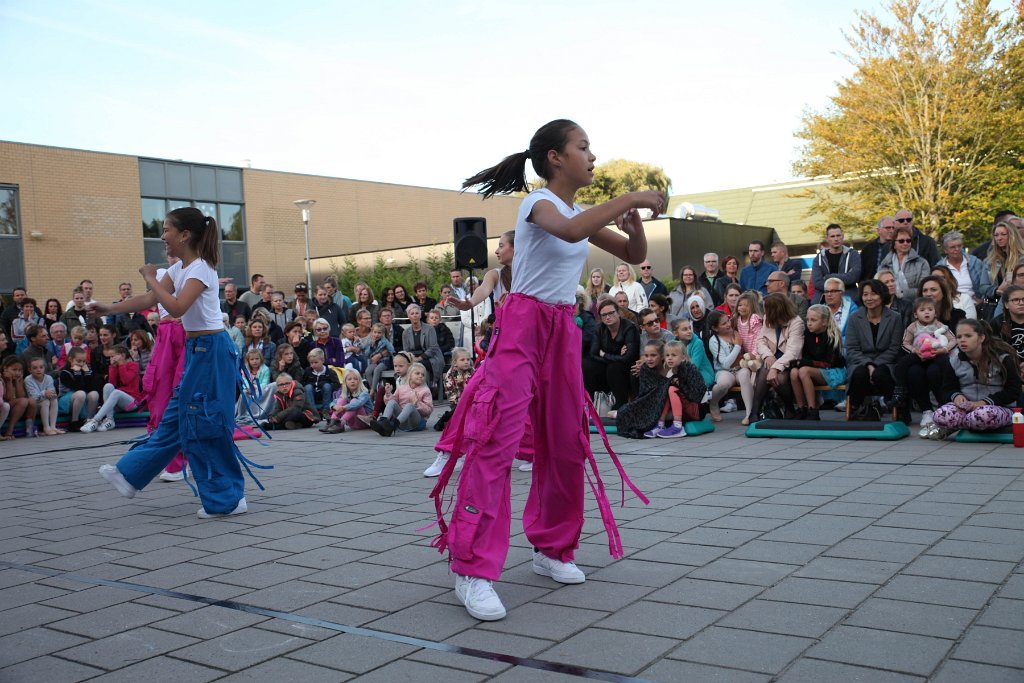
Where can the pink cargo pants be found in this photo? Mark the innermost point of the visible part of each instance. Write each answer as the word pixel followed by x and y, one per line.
pixel 532 374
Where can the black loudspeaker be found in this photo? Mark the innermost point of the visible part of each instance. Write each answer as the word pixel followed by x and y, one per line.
pixel 470 243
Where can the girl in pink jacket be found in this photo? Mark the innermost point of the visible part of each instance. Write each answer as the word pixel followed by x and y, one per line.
pixel 410 406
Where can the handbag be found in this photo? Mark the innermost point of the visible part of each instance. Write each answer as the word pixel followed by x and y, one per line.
pixel 603 402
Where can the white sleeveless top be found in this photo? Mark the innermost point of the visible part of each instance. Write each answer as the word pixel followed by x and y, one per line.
pixel 545 266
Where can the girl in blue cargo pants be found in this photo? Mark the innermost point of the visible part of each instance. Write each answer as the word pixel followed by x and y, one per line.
pixel 199 419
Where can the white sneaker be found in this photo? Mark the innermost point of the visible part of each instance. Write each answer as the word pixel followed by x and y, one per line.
pixel 114 476
pixel 729 406
pixel 562 572
pixel 439 463
pixel 241 508
pixel 89 427
pixel 926 417
pixel 172 476
pixel 106 425
pixel 526 467
pixel 841 406
pixel 479 598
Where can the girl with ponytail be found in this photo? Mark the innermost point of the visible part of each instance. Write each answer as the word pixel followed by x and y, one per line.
pixel 535 378
pixel 199 417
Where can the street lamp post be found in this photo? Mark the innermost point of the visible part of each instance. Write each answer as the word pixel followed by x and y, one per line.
pixel 305 204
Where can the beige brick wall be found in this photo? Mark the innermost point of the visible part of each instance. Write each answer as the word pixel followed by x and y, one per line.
pixel 86 205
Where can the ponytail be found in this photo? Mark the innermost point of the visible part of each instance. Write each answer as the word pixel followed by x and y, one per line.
pixel 510 175
pixel 204 234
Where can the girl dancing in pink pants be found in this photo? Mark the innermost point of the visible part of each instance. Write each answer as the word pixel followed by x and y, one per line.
pixel 533 370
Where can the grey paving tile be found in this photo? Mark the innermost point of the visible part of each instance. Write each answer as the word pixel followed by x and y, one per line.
pixel 726 538
pixel 48 669
pixel 1001 613
pixel 817 670
pixel 786 618
pixel 623 653
pixel 126 648
pixel 291 595
pixel 30 616
pixel 753 572
pixel 680 553
pixel 284 669
pixel 34 642
pixel 775 551
pixel 819 529
pixel 209 622
pixel 600 595
pixel 240 649
pixel 427 620
pixel 407 670
pixel 749 650
pixel 955 671
pixel 985 645
pixel 1013 588
pixel 691 672
pixel 239 558
pixel 110 620
pixel 264 575
pixel 846 569
pixel 967 594
pixel 719 595
pixel 661 619
pixel 820 592
pixel 357 654
pixel 92 598
pixel 978 550
pixel 548 622
pixel 27 593
pixel 900 652
pixel 160 669
pixel 883 551
pixel 487 641
pixel 987 571
pixel 389 595
pixel 641 573
pixel 912 617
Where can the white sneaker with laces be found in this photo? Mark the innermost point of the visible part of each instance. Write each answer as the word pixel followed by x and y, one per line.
pixel 439 462
pixel 241 508
pixel 562 572
pixel 729 406
pixel 479 598
pixel 89 426
pixel 172 476
pixel 106 425
pixel 114 476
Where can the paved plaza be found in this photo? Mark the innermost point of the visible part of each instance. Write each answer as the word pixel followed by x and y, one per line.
pixel 756 560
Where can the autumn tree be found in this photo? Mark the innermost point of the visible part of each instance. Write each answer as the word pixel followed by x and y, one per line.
pixel 619 176
pixel 932 120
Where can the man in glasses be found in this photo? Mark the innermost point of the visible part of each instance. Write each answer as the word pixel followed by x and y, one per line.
pixel 875 250
pixel 836 260
pixel 923 244
pixel 710 275
pixel 651 284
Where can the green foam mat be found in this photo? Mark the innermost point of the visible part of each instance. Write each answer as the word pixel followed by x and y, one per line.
pixel 1004 435
pixel 828 429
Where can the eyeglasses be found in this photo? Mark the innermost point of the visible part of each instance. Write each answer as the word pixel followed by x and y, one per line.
pixel 645 267
pixel 609 314
pixel 321 329
pixel 834 291
pixel 903 241
pixel 1018 302
pixel 903 220
pixel 651 323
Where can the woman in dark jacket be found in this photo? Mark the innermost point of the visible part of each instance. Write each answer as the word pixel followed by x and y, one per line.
pixel 874 335
pixel 615 348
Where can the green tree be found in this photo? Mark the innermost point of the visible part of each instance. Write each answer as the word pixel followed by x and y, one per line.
pixel 619 176
pixel 932 120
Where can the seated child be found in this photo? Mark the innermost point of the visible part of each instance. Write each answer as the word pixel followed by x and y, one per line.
pixel 319 381
pixel 402 360
pixel 260 374
pixel 353 354
pixel 379 355
pixel 410 407
pixel 43 391
pixel 353 401
pixel 821 361
pixel 455 381
pixel 78 335
pixel 289 409
pixel 77 388
pixel 122 390
pixel 685 393
pixel 643 413
pixel 13 375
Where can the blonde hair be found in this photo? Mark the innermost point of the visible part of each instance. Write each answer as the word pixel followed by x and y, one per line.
pixel 348 326
pixel 458 352
pixel 835 337
pixel 632 273
pixel 316 353
pixel 351 372
pixel 253 353
pixel 999 259
pixel 420 366
pixel 751 298
pixel 678 346
pixel 595 293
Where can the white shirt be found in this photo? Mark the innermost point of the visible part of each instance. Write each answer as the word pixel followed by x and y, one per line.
pixel 204 313
pixel 545 266
pixel 636 293
pixel 963 277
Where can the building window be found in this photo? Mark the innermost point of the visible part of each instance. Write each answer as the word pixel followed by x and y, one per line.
pixel 217 192
pixel 9 211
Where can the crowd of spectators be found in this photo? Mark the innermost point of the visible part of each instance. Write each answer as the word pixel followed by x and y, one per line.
pixel 877 328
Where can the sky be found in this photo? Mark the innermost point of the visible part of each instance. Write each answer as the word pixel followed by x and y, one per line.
pixel 425 93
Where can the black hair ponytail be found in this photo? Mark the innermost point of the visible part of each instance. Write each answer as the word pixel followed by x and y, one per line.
pixel 510 175
pixel 204 235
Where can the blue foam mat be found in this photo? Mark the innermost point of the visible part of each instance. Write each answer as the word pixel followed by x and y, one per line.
pixel 695 428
